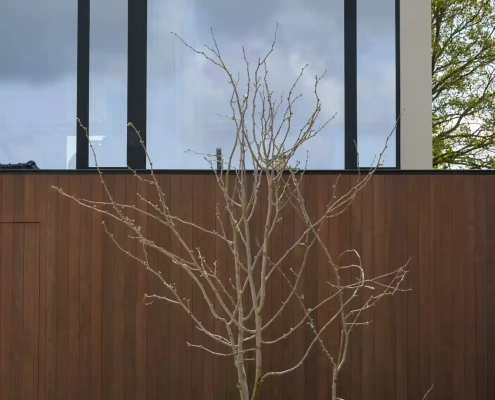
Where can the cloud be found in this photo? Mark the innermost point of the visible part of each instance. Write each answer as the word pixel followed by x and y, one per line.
pixel 185 93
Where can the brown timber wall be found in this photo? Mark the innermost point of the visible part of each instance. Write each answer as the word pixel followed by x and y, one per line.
pixel 73 324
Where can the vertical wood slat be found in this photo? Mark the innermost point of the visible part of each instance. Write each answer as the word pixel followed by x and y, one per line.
pixel 74 273
pixel 221 257
pixel 267 313
pixel 84 379
pixel 459 239
pixel 481 233
pixel 276 297
pixel 469 310
pixel 96 297
pixel 30 329
pixel 490 288
pixel 310 292
pixel 152 310
pixel 162 308
pixel 118 278
pixel 436 262
pixel 448 226
pixel 411 250
pixel 425 311
pixel 368 257
pixel 6 307
pixel 400 301
pixel 446 275
pixel 356 345
pixel 299 335
pixel 2 252
pixel 31 288
pixel 41 210
pixel 321 290
pixel 109 252
pixel 1 283
pixel 381 372
pixel 141 281
pixel 288 359
pixel 186 283
pixel 230 373
pixel 209 250
pixel 62 285
pixel 17 313
pixel 197 240
pixel 130 302
pixel 177 344
pixel 51 245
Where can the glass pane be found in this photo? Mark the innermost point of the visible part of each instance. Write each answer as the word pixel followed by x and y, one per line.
pixel 108 83
pixel 186 93
pixel 38 52
pixel 376 80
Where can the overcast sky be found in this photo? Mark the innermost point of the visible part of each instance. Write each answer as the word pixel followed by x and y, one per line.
pixel 185 93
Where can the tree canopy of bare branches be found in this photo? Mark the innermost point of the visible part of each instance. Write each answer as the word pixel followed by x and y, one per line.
pixel 266 137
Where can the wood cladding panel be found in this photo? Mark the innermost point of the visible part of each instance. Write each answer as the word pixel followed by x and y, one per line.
pixel 73 324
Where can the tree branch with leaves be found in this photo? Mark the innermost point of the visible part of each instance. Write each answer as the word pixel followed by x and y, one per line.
pixel 463 83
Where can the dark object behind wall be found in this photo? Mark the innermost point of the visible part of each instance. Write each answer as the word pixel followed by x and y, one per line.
pixel 27 165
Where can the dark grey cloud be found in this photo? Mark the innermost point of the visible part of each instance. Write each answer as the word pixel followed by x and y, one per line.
pixel 38 39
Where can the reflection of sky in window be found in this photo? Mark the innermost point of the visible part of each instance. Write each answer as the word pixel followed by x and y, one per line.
pixel 201 90
pixel 37 109
pixel 376 82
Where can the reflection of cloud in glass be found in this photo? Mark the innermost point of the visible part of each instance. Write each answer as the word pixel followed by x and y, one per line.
pixel 186 92
pixel 108 87
pixel 376 82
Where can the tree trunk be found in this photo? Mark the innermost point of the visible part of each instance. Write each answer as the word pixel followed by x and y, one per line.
pixel 335 382
pixel 242 379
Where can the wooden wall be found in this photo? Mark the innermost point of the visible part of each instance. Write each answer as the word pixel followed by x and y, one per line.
pixel 73 325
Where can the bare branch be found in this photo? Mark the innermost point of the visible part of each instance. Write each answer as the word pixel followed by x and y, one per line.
pixel 235 292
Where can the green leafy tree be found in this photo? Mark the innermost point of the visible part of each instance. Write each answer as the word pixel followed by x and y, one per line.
pixel 463 87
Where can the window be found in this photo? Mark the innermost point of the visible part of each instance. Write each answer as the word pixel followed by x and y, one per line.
pixel 38 47
pixel 376 80
pixel 108 82
pixel 176 96
pixel 186 93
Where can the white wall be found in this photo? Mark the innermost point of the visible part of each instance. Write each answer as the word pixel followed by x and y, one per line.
pixel 415 81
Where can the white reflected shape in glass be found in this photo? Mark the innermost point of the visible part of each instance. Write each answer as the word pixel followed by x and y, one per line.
pixel 108 82
pixel 376 81
pixel 72 147
pixel 186 93
pixel 38 56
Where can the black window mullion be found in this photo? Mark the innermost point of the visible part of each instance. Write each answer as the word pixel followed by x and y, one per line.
pixel 136 81
pixel 350 83
pixel 83 26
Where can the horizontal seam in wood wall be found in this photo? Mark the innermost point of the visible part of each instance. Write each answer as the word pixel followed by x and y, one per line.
pixel 20 222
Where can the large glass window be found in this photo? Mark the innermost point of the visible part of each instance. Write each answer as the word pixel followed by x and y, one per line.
pixel 186 93
pixel 376 79
pixel 38 49
pixel 108 83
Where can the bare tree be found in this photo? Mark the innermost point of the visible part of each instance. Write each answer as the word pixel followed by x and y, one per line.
pixel 266 139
